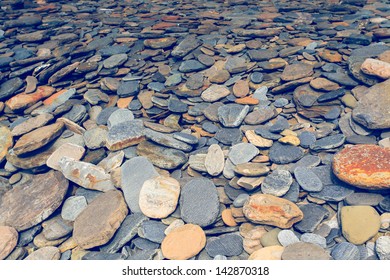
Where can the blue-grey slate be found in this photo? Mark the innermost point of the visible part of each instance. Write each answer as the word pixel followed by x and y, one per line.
pixel 191 65
pixel 328 142
pixel 127 89
pixel 313 215
pixel 293 192
pixel 229 136
pixel 345 251
pixel 144 244
pixel 233 193
pixel 280 125
pixel 333 193
pixel 89 195
pixel 230 244
pixel 152 230
pixel 9 87
pixel 103 116
pixel 277 183
pixel 307 179
pixel 385 204
pixel 240 200
pixel 282 154
pixel 199 202
pixel 185 137
pixel 306 138
pixel 242 153
pixel 264 132
pixel 94 256
pixel 142 255
pixel 363 198
pixel 232 115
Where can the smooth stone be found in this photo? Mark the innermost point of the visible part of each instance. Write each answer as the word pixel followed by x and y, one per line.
pixel 95 138
pixel 264 132
pixel 277 183
pixel 152 230
pixel 27 236
pixel 314 239
pixel 268 253
pixel 229 136
pixel 230 244
pixel 72 207
pixel 363 166
pixel 242 153
pixel 283 154
pixel 376 67
pixel 235 64
pixel 115 60
pixel 297 71
pixel 119 116
pixel 251 169
pixel 69 150
pixel 185 137
pixel 307 139
pixel 144 244
pixel 97 224
pixel 293 193
pixel 144 255
pixel 280 125
pixel 382 247
pixel 328 142
pixel 270 238
pixel 215 160
pixel 8 240
pixel 129 88
pixel 313 215
pixel 332 192
pixel 45 253
pixel 161 157
pixel 191 65
pixel 307 179
pixel 345 251
pixel 287 237
pixel 54 229
pixel 6 141
pixel 86 174
pixel 9 87
pixel 304 251
pixel 260 116
pixel 100 256
pixel 199 202
pixel 359 223
pixel 370 199
pixel 31 124
pixel 232 115
pixel 215 93
pixel 134 173
pixel 257 140
pixel 183 242
pixel 125 134
pixel 43 194
pixel 159 196
pixel 103 116
pixel 240 200
pixel 271 210
pixel 126 232
pixel 166 140
pixel 188 44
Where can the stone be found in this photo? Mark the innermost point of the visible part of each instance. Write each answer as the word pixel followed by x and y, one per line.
pixel 283 154
pixel 72 207
pixel 9 87
pixel 371 108
pixel 230 244
pixel 183 242
pixel 268 253
pixel 241 88
pixel 232 115
pixel 6 142
pixel 257 140
pixel 125 134
pixel 363 166
pixel 332 192
pixel 304 251
pixel 359 223
pixel 376 68
pixel 277 183
pixel 328 142
pixel 191 65
pixel 23 100
pixel 382 247
pixel 86 174
pixel 8 240
pixel 199 203
pixel 235 64
pixel 115 60
pixel 345 251
pixel 261 115
pixel 215 93
pixel 55 230
pixel 97 224
pixel 159 196
pixel 287 237
pixel 45 253
pixel 270 238
pixel 228 218
pixel 152 230
pixel 270 210
pixel 307 179
pixel 95 138
pixel 290 139
pixel 42 193
pixel 166 140
pixel 38 138
pixel 362 198
pixel 324 84
pixel 215 160
pixel 161 157
pixel 314 239
pixel 313 215
pixel 242 153
pixel 306 139
pixel 31 124
pixel 129 88
pixel 296 71
pixel 251 169
pixel 119 116
pixel 69 150
pixel 188 44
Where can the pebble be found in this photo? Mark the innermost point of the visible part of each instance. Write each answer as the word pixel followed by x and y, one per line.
pixel 215 160
pixel 287 237
pixel 345 251
pixel 72 207
pixel 307 179
pixel 305 251
pixel 283 154
pixel 232 115
pixel 268 253
pixel 45 253
pixel 314 239
pixel 242 153
pixel 382 247
pixel 152 230
pixel 313 215
pixel 277 183
pixel 8 241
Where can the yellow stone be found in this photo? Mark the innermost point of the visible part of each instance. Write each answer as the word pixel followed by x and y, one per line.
pixel 257 140
pixel 290 139
pixel 268 253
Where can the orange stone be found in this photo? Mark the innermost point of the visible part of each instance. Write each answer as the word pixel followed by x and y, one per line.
pixel 241 88
pixel 23 100
pixel 228 218
pixel 247 101
pixel 330 56
pixel 122 103
pixel 363 166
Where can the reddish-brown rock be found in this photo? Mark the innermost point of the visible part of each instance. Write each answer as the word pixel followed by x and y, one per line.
pixel 23 100
pixel 6 141
pixel 363 166
pixel 8 241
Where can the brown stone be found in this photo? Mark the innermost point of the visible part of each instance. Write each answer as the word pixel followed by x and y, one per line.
pixel 31 124
pixel 271 210
pixel 219 77
pixel 31 202
pixel 305 251
pixel 183 242
pixel 324 84
pixel 160 43
pixel 330 56
pixel 8 241
pixel 257 140
pixel 38 138
pixel 97 224
pixel 70 150
pixel 23 100
pixel 45 253
pixel 376 67
pixel 363 166
pixel 6 141
pixel 268 253
pixel 248 100
pixel 241 88
pixel 215 160
pixel 227 218
pixel 297 71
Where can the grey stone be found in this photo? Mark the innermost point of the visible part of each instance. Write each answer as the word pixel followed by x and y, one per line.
pixel 314 238
pixel 333 193
pixel 115 60
pixel 185 137
pixel 89 195
pixel 307 179
pixel 281 153
pixel 280 125
pixel 199 202
pixel 143 255
pixel 144 244
pixel 287 237
pixel 229 136
pixel 293 193
pixel 235 64
pixel 103 116
pixel 313 215
pixel 277 183
pixel 76 114
pixel 329 142
pixel 230 244
pixel 232 115
pixel 240 200
pixel 152 230
pixel 345 251
pixel 307 139
pixel 25 237
pixel 94 256
pixel 9 87
pixel 361 198
pixel 242 153
pixel 134 173
pixel 191 65
pixel 125 134
pixel 186 46
pixel 166 140
pixel 264 132
pixel 382 247
pixel 119 116
pixel 129 88
pixel 56 228
pixel 173 80
pixel 95 138
pixel 72 207
pixel 385 204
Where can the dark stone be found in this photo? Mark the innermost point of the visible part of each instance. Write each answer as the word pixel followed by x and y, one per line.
pixel 283 154
pixel 127 89
pixel 153 230
pixel 345 251
pixel 228 245
pixel 333 193
pixel 313 215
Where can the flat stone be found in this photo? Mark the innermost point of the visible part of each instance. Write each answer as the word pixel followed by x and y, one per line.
pixel 270 238
pixel 97 224
pixel 277 183
pixel 359 223
pixel 183 242
pixel 232 115
pixel 229 136
pixel 185 46
pixel 345 251
pixel 55 229
pixel 251 169
pixel 6 141
pixel 304 251
pixel 242 153
pixel 241 88
pixel 134 173
pixel 95 138
pixel 45 253
pixel 215 93
pixel 8 88
pixel 31 124
pixel 215 160
pixel 235 64
pixel 152 230
pixel 306 139
pixel 297 71
pixel 24 100
pixel 124 135
pixel 287 237
pixel 280 125
pixel 72 207
pixel 260 116
pixel 362 198
pixel 191 65
pixel 185 137
pixel 371 108
pixel 307 179
pixel 382 247
pixel 69 150
pixel 328 142
pixel 166 140
pixel 126 232
pixel 161 157
pixel 283 154
pixel 262 54
pixel 332 192
pixel 129 88
pixel 199 203
pixel 376 68
pixel 230 244
pixel 313 215
pixel 257 140
pixel 8 240
pixel 268 253
pixel 324 84
pixel 86 174
pixel 38 138
pixel 270 210
pixel 119 116
pixel 264 132
pixel 115 60
pixel 42 193
pixel 314 239
pixel 364 166
pixel 159 196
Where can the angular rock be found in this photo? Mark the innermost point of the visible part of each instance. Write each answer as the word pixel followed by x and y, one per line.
pixel 166 140
pixel 31 124
pixel 69 150
pixel 242 153
pixel 124 135
pixel 72 207
pixel 313 215
pixel 9 87
pixel 8 241
pixel 232 115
